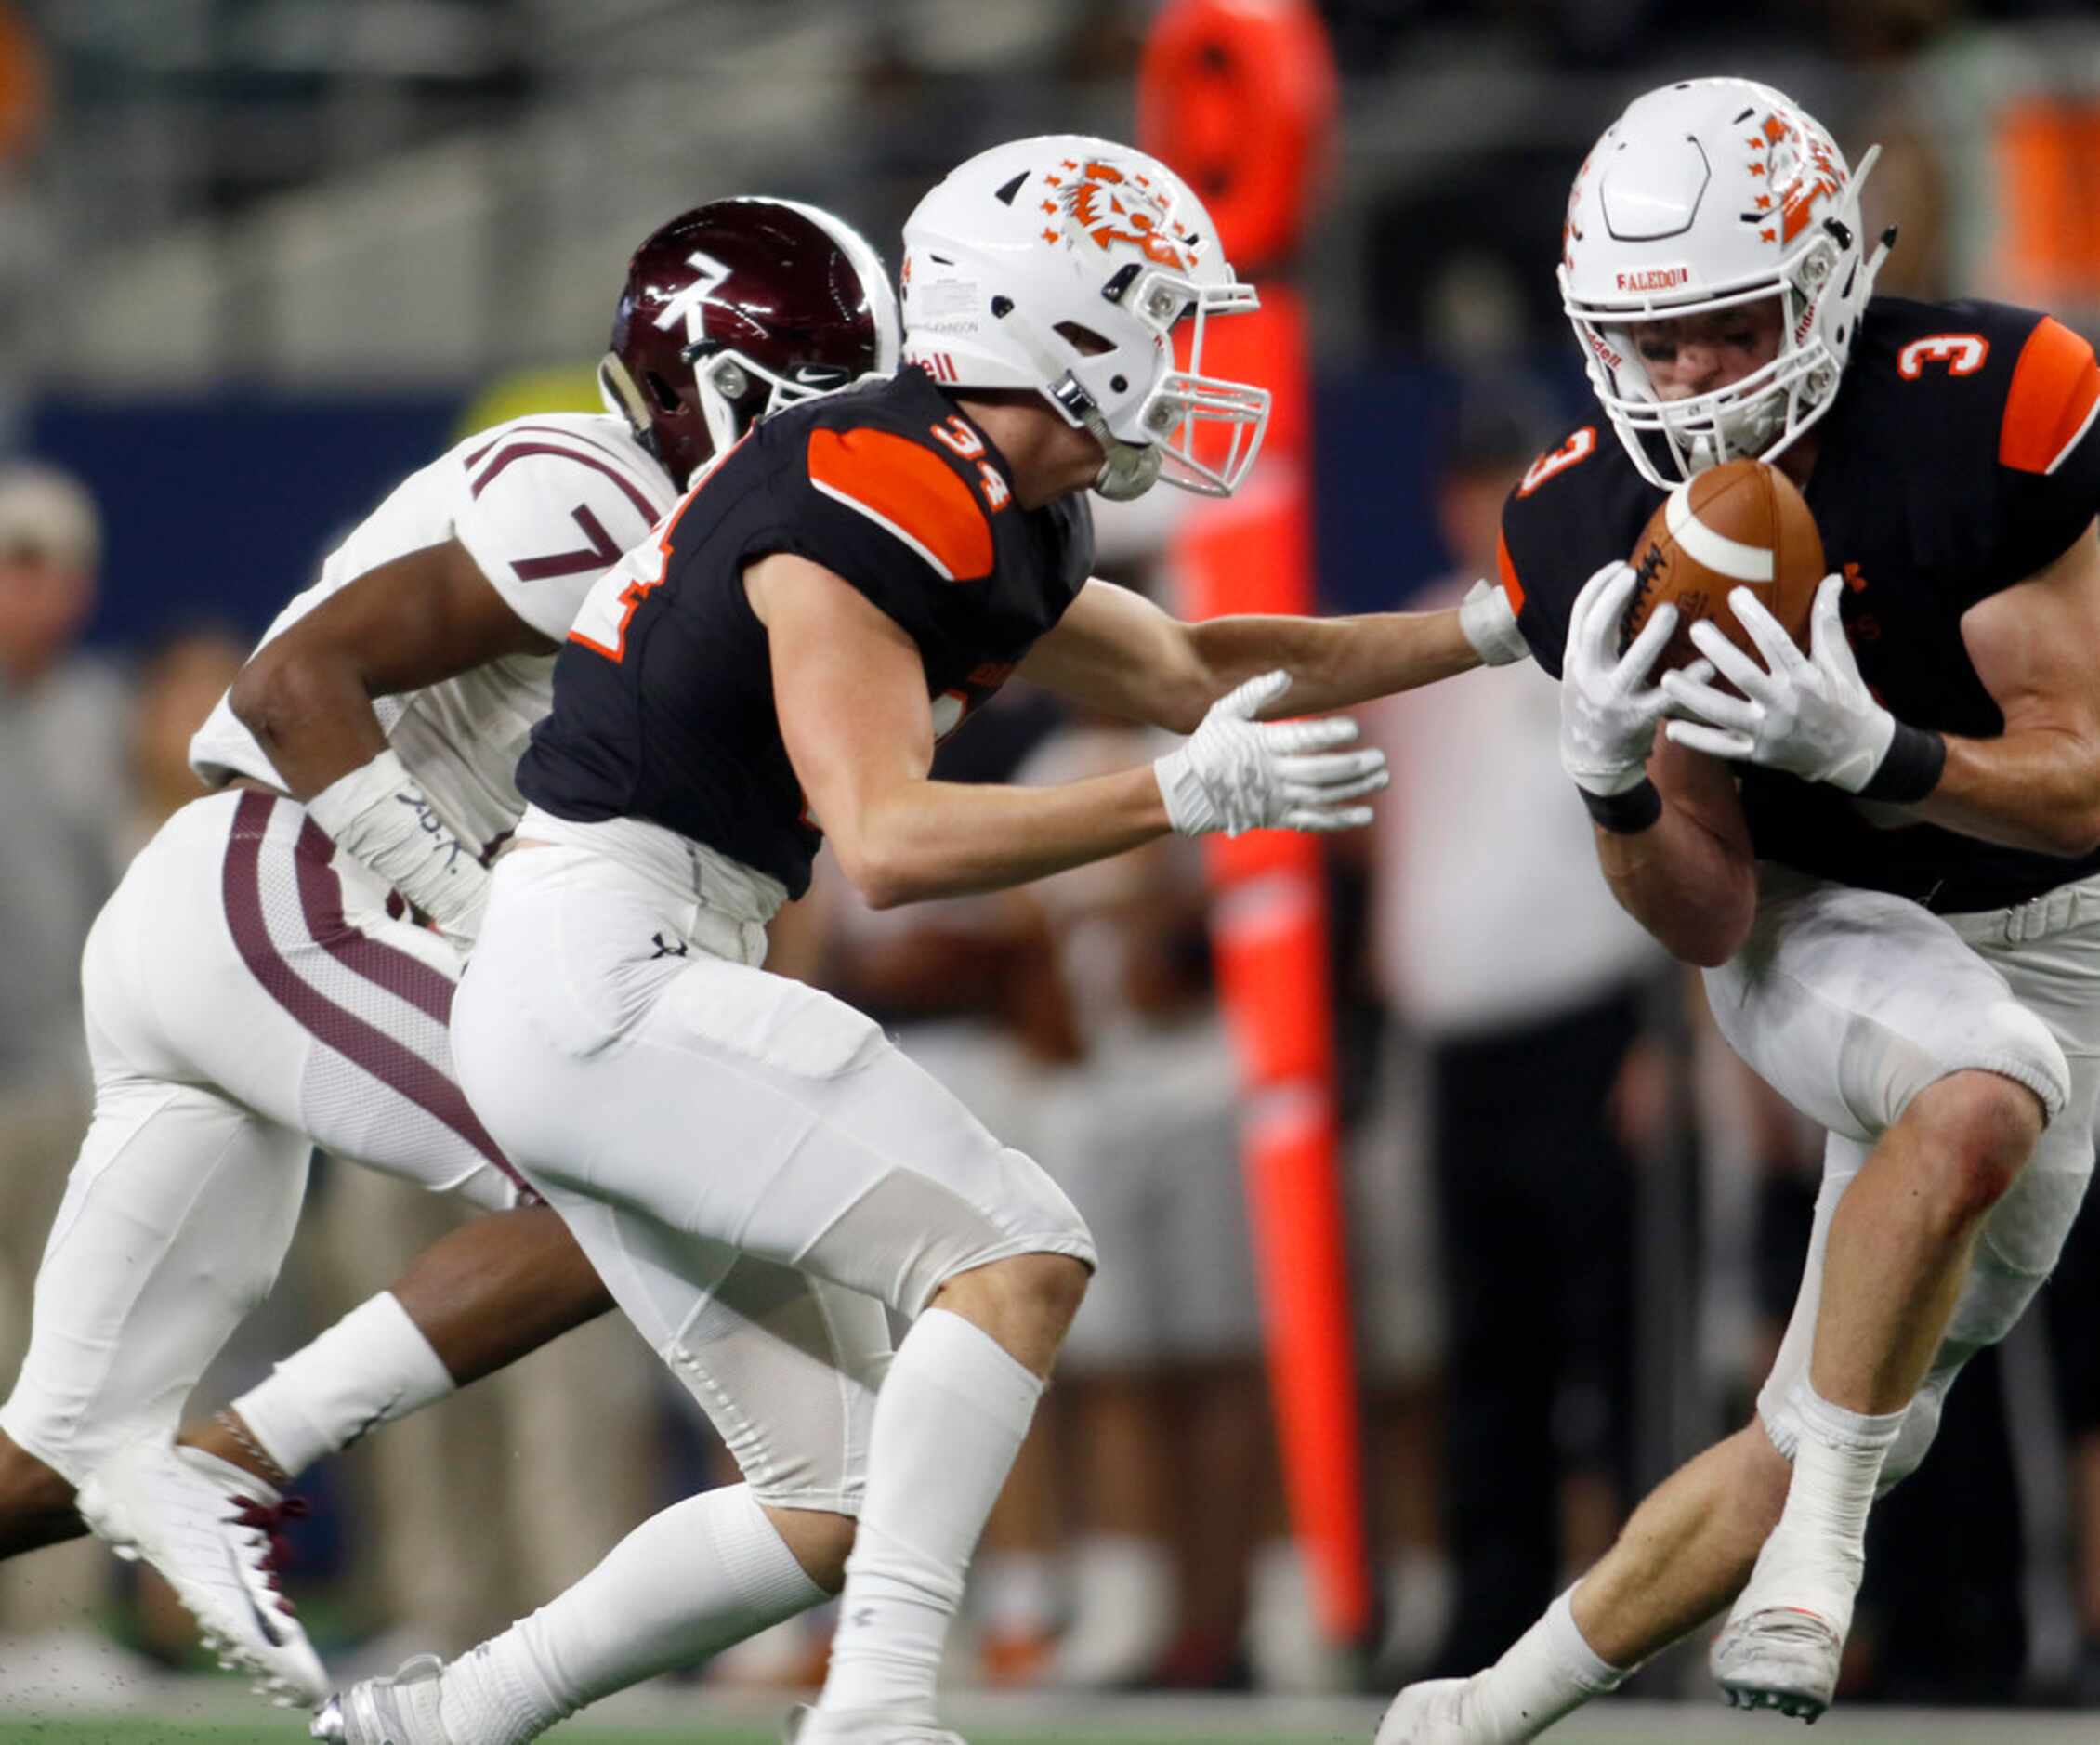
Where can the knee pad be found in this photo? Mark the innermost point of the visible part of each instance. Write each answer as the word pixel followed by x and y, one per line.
pixel 933 1233
pixel 2004 1037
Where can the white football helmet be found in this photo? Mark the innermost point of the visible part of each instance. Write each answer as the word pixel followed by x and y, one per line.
pixel 1705 195
pixel 1062 263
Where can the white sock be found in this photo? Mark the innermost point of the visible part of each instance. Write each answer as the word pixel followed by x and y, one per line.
pixel 685 1583
pixel 948 1422
pixel 1548 1672
pixel 1812 1559
pixel 371 1366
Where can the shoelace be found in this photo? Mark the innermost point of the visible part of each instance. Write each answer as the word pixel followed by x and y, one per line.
pixel 267 1520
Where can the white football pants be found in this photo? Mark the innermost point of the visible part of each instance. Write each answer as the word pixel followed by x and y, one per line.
pixel 248 997
pixel 1848 1002
pixel 752 1165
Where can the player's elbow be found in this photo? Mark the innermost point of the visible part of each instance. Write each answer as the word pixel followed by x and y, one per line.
pixel 883 875
pixel 1707 948
pixel 265 695
pixel 2072 832
pixel 1724 928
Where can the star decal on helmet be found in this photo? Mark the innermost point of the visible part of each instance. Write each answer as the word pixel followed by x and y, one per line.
pixel 1802 167
pixel 1108 207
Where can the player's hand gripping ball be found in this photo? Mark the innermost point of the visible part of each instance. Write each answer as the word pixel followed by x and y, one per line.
pixel 1738 525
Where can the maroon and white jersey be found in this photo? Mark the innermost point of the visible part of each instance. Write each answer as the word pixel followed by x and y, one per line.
pixel 545 504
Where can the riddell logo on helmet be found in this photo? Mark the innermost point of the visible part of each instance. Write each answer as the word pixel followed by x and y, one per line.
pixel 1653 279
pixel 1107 206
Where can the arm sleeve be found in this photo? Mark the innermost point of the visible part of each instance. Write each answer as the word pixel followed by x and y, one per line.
pixel 545 517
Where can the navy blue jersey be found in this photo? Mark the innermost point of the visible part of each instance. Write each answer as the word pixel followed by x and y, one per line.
pixel 1958 460
pixel 664 692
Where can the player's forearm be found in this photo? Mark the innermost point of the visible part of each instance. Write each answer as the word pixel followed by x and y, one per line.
pixel 1335 662
pixel 1695 893
pixel 2037 789
pixel 311 715
pixel 926 839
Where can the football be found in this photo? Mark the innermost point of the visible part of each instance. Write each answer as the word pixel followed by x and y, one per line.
pixel 1738 525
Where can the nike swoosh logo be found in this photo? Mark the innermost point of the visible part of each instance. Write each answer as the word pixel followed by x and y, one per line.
pixel 264 1627
pixel 373 1421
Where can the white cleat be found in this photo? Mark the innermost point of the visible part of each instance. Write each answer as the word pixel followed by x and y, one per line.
pixel 1784 1640
pixel 852 1727
pixel 398 1711
pixel 211 1529
pixel 1442 1712
pixel 1781 1658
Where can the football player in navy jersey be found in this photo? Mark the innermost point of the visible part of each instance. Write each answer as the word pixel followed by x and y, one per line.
pixel 758 1173
pixel 1884 850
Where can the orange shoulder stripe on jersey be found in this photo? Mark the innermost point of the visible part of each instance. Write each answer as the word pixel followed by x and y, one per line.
pixel 2055 394
pixel 1511 586
pixel 904 487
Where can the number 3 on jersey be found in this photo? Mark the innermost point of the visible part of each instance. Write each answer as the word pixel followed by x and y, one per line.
pixel 958 438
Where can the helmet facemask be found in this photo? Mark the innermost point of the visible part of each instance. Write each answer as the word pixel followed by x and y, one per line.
pixel 1162 418
pixel 734 392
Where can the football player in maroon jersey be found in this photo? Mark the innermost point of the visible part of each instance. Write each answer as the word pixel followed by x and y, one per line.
pixel 1886 849
pixel 257 986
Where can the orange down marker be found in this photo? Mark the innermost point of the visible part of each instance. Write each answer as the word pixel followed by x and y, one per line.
pixel 1237 97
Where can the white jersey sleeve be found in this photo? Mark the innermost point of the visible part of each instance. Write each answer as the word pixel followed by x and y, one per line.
pixel 543 505
pixel 547 506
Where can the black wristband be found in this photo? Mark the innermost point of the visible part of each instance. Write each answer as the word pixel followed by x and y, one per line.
pixel 1624 814
pixel 1910 769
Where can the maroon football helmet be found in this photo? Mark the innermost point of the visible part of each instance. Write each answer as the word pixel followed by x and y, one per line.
pixel 735 309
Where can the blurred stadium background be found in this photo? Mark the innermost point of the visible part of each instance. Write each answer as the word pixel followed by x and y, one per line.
pixel 259 258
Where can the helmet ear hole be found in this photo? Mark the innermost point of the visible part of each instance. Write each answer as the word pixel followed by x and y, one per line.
pixel 1083 339
pixel 665 395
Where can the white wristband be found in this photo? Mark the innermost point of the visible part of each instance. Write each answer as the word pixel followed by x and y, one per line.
pixel 1489 624
pixel 380 815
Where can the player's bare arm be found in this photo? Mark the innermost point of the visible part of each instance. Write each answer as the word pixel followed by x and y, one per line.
pixel 851 693
pixel 2037 784
pixel 427 616
pixel 1690 878
pixel 1671 835
pixel 1116 652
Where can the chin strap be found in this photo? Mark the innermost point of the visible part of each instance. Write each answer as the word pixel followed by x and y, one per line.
pixel 1127 471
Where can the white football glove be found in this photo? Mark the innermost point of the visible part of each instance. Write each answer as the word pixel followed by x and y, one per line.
pixel 1607 711
pixel 1809 714
pixel 1237 774
pixel 1490 623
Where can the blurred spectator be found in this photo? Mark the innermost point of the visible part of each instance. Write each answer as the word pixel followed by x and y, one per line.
pixel 63 794
pixel 2073 1305
pixel 177 681
pixel 1502 950
pixel 1162 1370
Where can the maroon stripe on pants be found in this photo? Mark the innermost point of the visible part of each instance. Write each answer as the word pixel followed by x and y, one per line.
pixel 321 901
pixel 398 1067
